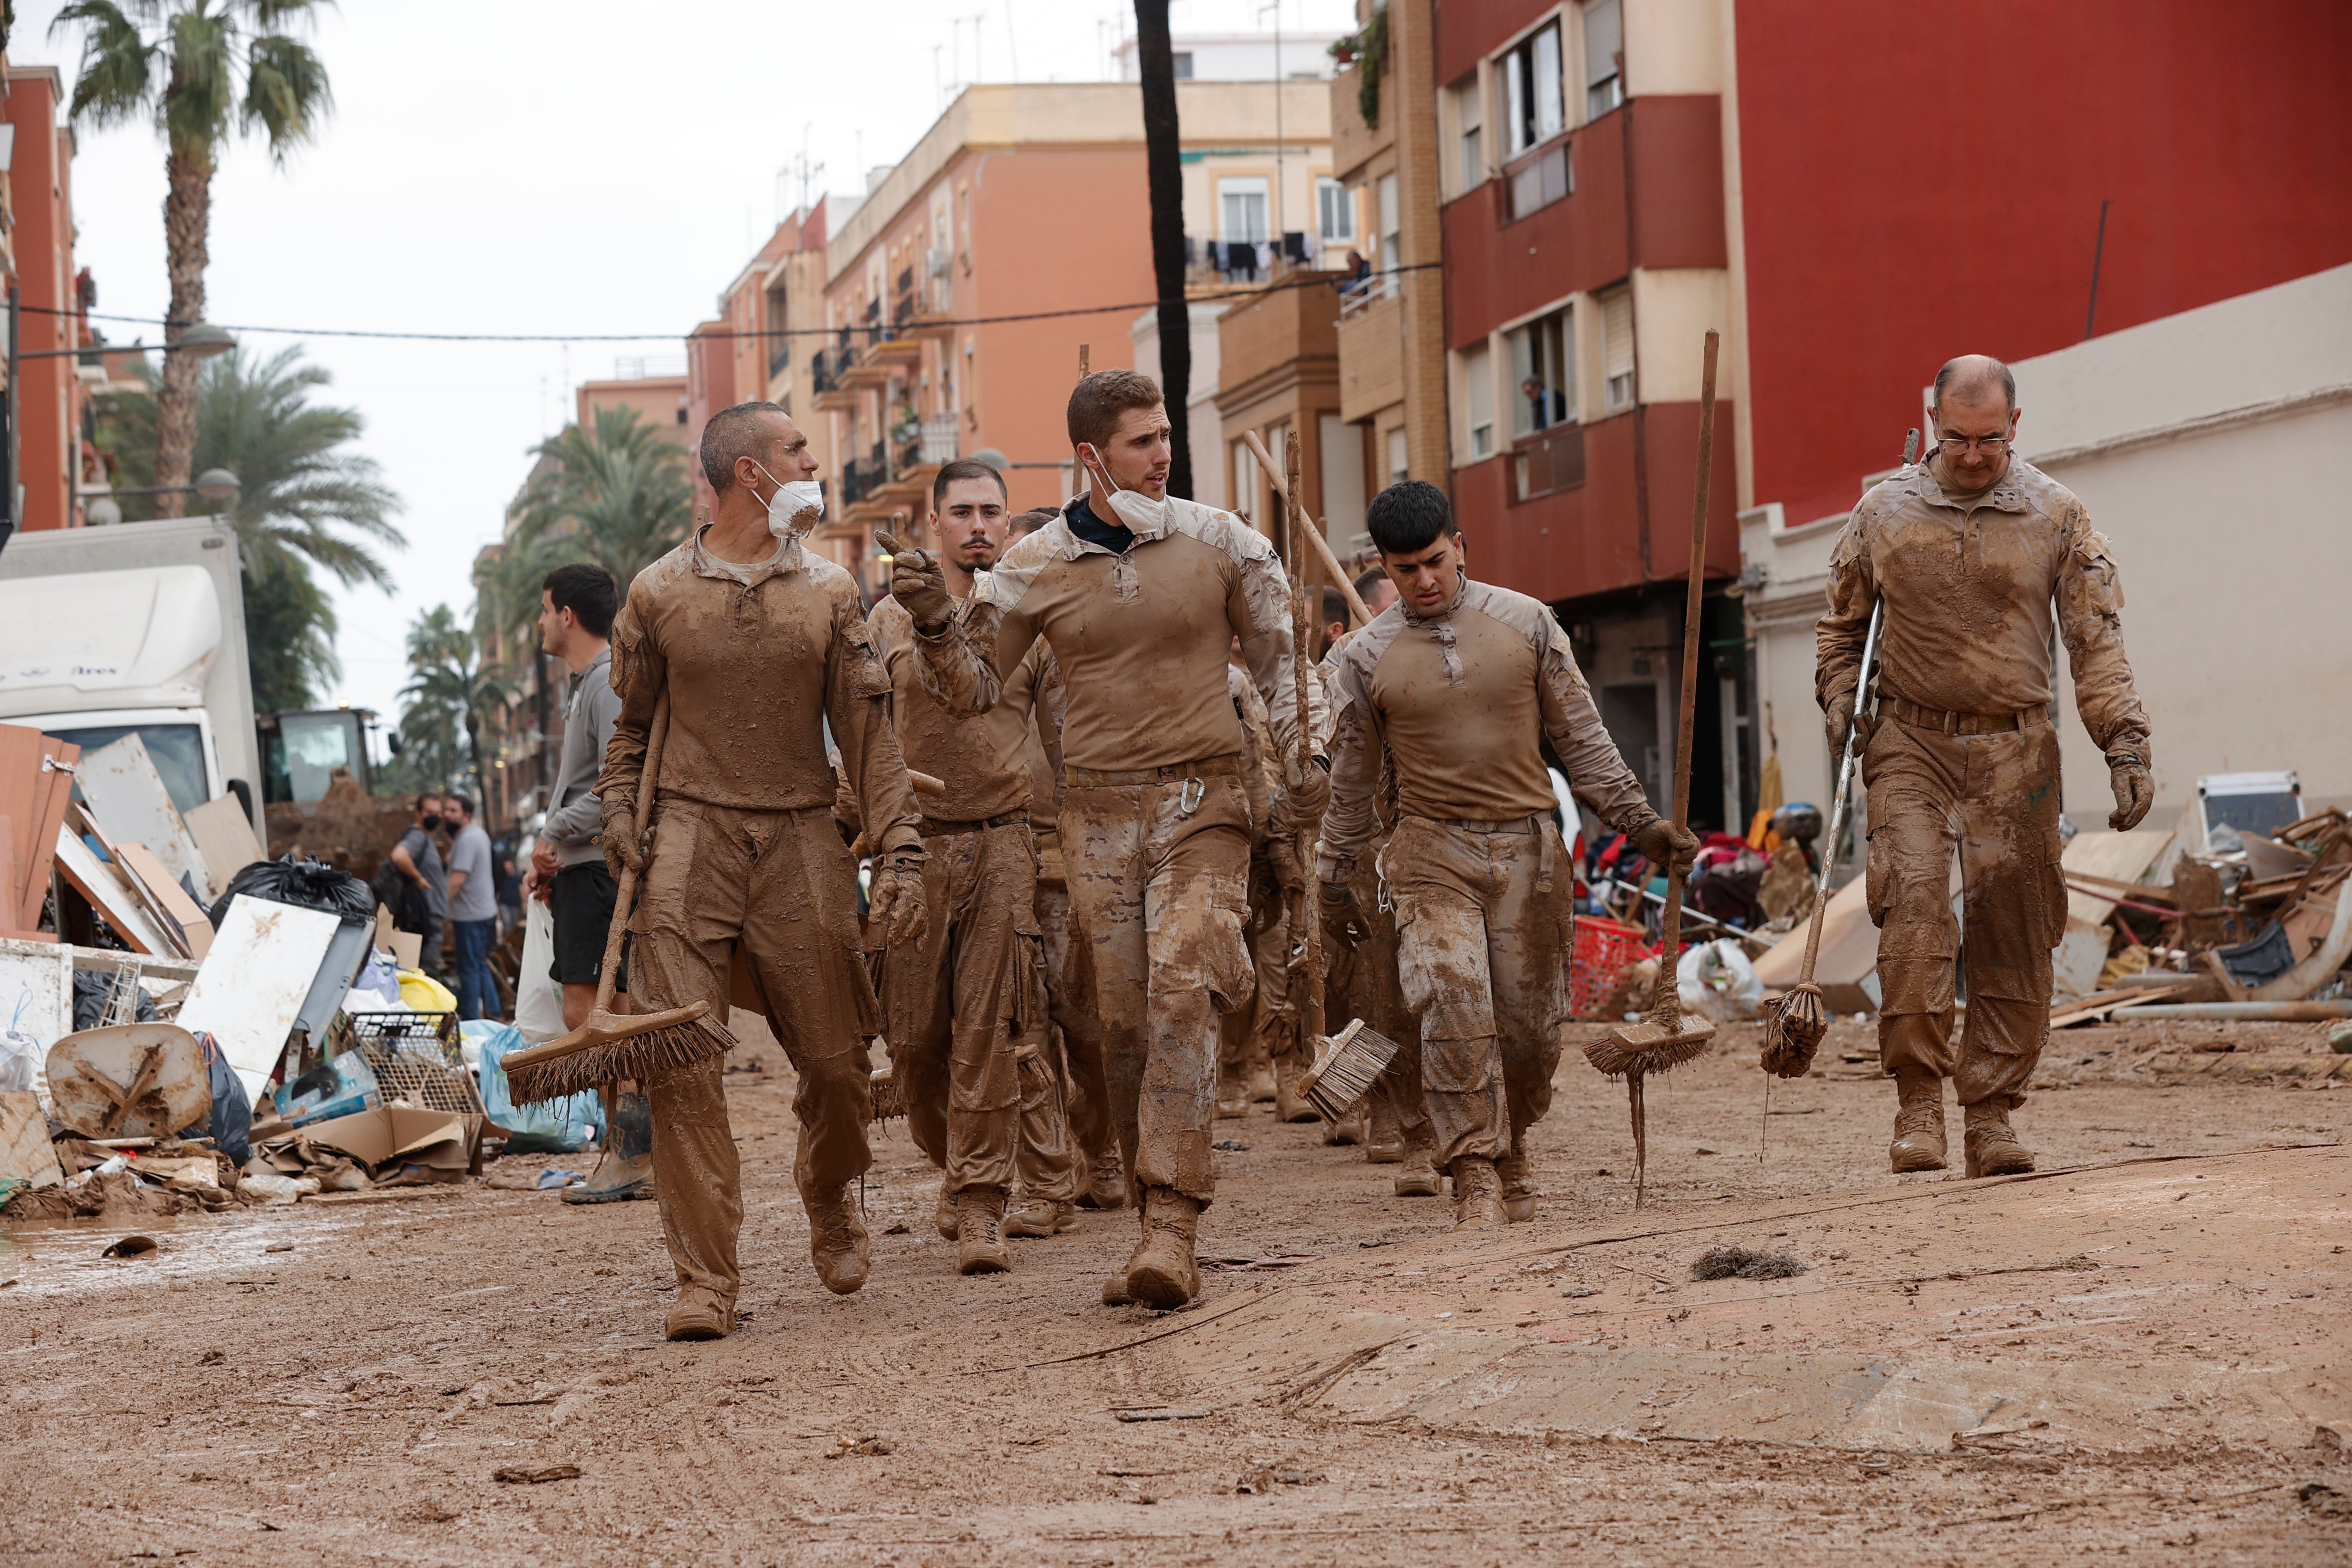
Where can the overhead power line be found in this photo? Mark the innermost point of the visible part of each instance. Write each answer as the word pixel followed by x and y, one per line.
pixel 1325 282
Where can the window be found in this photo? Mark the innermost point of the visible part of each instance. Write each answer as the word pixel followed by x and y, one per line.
pixel 1543 376
pixel 1391 226
pixel 1532 82
pixel 1604 58
pixel 1541 181
pixel 1478 399
pixel 1399 470
pixel 1242 209
pixel 1335 212
pixel 1617 350
pixel 1182 60
pixel 1469 119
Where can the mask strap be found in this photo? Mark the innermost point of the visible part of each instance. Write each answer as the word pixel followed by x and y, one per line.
pixel 1100 470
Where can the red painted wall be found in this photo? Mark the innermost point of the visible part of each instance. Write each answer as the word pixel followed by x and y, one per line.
pixel 40 198
pixel 1920 182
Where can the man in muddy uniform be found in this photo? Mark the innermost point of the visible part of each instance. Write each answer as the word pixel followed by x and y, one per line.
pixel 1457 686
pixel 1265 1029
pixel 967 1000
pixel 1139 594
pixel 751 644
pixel 1967 551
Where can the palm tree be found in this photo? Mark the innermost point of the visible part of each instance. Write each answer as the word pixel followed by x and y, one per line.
pixel 182 63
pixel 305 498
pixel 451 686
pixel 1164 179
pixel 616 494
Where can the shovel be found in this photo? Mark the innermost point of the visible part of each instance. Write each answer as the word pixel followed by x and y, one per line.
pixel 1669 1036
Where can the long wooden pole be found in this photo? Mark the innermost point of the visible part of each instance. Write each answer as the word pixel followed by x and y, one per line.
pixel 1288 494
pixel 1669 995
pixel 1311 972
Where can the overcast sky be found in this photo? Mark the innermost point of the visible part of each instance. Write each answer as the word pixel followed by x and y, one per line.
pixel 585 167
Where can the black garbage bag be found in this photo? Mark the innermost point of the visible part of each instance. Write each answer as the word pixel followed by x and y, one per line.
pixel 232 1121
pixel 305 883
pixel 92 987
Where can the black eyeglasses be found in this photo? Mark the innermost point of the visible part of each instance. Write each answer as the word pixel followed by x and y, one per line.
pixel 1990 445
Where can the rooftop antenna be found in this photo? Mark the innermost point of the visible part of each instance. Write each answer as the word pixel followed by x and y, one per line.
pixel 1011 44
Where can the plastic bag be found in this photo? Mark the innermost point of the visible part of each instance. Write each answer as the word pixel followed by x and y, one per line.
pixel 1717 981
pixel 21 1055
pixel 273 1190
pixel 232 1120
pixel 546 1126
pixel 304 883
pixel 425 995
pixel 539 1000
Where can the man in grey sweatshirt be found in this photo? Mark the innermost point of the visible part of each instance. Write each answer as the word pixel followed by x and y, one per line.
pixel 576 623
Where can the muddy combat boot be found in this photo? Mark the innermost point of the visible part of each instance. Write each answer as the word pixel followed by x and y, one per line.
pixel 1261 1082
pixel 1918 1121
pixel 1993 1149
pixel 1038 1217
pixel 1519 1193
pixel 1417 1177
pixel 699 1315
pixel 1232 1097
pixel 1345 1134
pixel 1289 1105
pixel 1478 1195
pixel 626 1171
pixel 1162 1273
pixel 1105 1185
pixel 979 1232
pixel 944 1215
pixel 837 1242
pixel 1383 1135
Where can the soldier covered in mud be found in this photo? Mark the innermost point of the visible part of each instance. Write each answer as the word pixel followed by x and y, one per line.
pixel 1455 687
pixel 756 643
pixel 1968 552
pixel 966 1004
pixel 1139 594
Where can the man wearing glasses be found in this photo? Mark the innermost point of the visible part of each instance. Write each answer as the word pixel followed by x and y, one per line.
pixel 1969 551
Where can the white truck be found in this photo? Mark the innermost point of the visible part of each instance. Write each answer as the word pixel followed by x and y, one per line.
pixel 136 626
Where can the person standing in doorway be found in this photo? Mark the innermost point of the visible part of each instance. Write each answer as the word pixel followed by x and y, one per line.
pixel 473 909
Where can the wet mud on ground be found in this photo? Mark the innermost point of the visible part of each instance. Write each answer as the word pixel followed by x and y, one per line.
pixel 2143 1349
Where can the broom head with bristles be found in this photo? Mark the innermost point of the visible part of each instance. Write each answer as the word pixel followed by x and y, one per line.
pixel 1667 1038
pixel 1794 1026
pixel 888 1101
pixel 1346 1067
pixel 611 1045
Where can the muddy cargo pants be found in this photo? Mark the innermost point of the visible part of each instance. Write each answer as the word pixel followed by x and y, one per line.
pixel 959 1004
pixel 1361 983
pixel 781 884
pixel 1266 1025
pixel 1484 915
pixel 1994 799
pixel 1157 862
pixel 1070 999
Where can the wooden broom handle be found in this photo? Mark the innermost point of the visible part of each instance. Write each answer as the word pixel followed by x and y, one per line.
pixel 1669 996
pixel 1322 545
pixel 656 736
pixel 1310 1003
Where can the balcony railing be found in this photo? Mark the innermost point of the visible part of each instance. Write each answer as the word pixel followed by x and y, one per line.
pixel 1366 291
pixel 939 435
pixel 825 371
pixel 780 356
pixel 859 480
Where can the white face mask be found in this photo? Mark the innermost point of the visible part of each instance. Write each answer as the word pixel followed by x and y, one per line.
pixel 803 499
pixel 1138 512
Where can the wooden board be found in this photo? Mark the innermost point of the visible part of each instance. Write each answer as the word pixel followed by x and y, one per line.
pixel 223 837
pixel 24 1147
pixel 35 778
pixel 94 879
pixel 122 789
pixel 2118 858
pixel 252 985
pixel 168 899
pixel 1849 944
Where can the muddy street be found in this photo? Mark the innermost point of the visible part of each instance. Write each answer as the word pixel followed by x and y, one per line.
pixel 2136 1353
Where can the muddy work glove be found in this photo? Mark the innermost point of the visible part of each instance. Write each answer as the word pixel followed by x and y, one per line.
pixel 1343 915
pixel 2135 790
pixel 921 588
pixel 618 837
pixel 1840 719
pixel 1282 859
pixel 1666 846
pixel 894 902
pixel 1309 794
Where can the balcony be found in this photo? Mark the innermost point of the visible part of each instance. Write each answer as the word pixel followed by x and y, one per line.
pixel 826 391
pixel 1353 142
pixel 1372 353
pixel 780 356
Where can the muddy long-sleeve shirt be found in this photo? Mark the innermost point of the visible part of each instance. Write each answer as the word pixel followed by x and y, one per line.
pixel 1458 703
pixel 983 761
pixel 1142 637
pixel 1969 582
pixel 756 659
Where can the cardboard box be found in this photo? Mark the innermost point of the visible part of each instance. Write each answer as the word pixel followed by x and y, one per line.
pixel 392 1136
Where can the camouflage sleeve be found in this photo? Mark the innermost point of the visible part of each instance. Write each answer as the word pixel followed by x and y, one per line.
pixel 639 673
pixel 1597 771
pixel 1356 749
pixel 1053 707
pixel 964 666
pixel 1852 590
pixel 1261 779
pixel 1259 610
pixel 2090 622
pixel 857 704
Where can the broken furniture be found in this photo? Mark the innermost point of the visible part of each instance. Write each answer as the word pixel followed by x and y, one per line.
pixel 129 1081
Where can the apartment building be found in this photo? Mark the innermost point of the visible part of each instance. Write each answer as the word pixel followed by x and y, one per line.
pixel 46 450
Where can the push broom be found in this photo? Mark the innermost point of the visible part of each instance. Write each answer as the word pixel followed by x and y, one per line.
pixel 610 1045
pixel 1796 1023
pixel 1669 1036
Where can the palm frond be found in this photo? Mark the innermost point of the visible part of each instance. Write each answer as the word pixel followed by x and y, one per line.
pixel 286 92
pixel 117 64
pixel 199 96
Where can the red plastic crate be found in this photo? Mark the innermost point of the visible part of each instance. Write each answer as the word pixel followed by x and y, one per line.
pixel 1604 950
